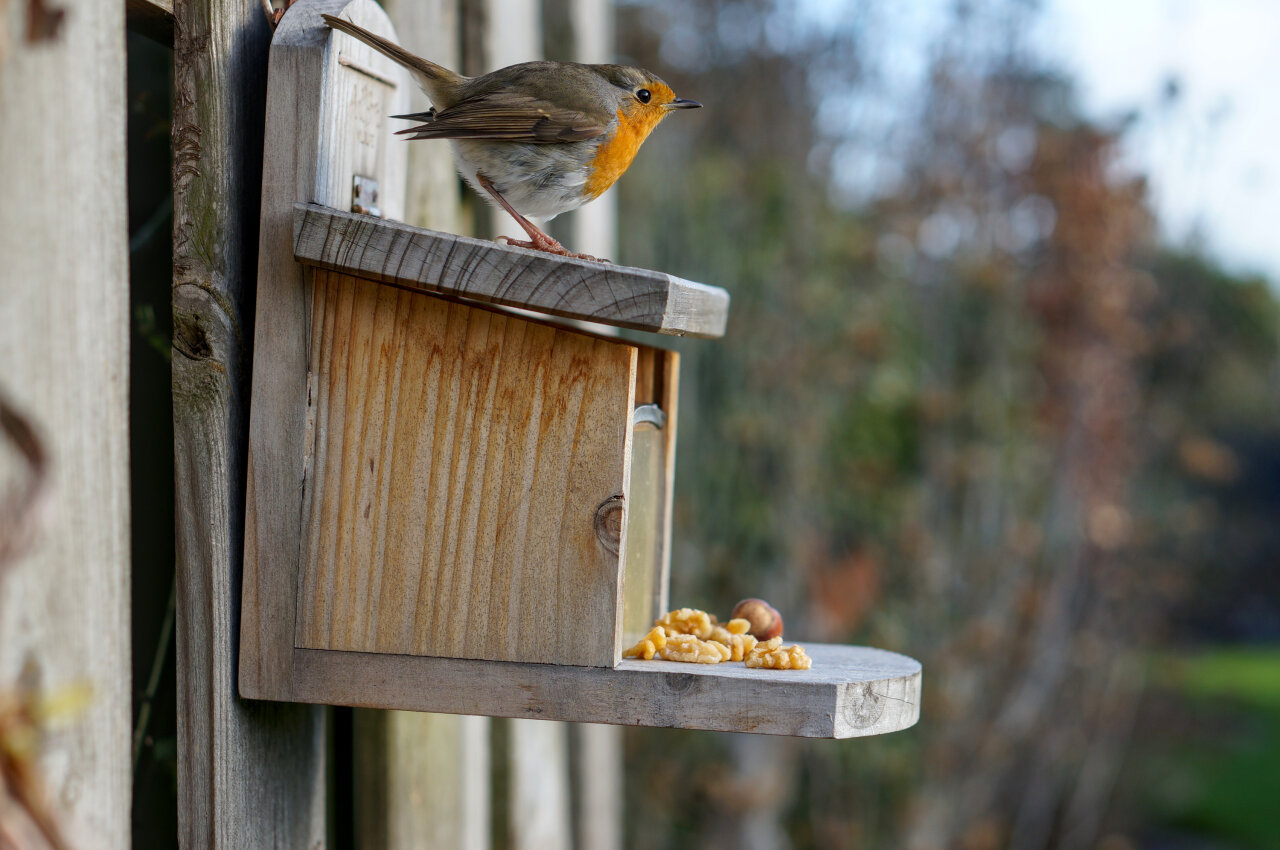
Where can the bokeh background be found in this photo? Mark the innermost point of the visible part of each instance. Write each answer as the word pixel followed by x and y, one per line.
pixel 999 392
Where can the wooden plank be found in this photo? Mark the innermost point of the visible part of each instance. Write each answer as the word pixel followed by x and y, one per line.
pixel 598 762
pixel 430 28
pixel 539 813
pixel 64 346
pixel 430 771
pixel 422 780
pixel 420 259
pixel 460 458
pixel 250 776
pixel 425 797
pixel 413 807
pixel 649 503
pixel 317 140
pixel 586 32
pixel 851 691
pixel 538 770
pixel 152 18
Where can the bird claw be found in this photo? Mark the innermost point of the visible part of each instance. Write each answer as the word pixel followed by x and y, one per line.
pixel 549 246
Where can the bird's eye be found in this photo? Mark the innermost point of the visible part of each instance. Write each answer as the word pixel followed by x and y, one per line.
pixel 643 95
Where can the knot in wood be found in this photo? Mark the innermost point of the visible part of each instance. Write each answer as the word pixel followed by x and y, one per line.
pixel 677 683
pixel 190 339
pixel 608 523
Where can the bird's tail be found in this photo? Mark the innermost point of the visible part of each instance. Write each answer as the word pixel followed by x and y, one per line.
pixel 428 74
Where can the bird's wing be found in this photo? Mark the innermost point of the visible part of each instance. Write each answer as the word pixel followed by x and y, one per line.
pixel 510 117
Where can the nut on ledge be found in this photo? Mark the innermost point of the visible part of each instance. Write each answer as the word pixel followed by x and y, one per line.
pixel 766 622
pixel 694 636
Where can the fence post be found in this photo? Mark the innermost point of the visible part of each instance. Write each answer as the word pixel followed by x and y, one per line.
pixel 249 774
pixel 64 365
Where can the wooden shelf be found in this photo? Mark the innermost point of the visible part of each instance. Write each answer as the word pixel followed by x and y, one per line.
pixel 415 258
pixel 851 691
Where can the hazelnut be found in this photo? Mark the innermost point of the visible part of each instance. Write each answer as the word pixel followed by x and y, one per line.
pixel 766 622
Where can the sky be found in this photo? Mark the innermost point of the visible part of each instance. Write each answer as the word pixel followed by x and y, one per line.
pixel 1212 154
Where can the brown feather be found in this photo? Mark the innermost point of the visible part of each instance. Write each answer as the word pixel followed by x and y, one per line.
pixel 511 117
pixel 428 74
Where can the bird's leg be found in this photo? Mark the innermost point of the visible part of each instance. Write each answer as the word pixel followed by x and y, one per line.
pixel 538 240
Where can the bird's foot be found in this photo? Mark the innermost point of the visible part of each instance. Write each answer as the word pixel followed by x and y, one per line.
pixel 539 241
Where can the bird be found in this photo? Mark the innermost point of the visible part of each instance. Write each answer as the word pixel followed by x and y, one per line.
pixel 539 138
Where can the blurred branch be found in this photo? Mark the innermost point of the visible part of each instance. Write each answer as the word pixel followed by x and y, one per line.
pixel 21 510
pixel 26 818
pixel 27 821
pixel 153 680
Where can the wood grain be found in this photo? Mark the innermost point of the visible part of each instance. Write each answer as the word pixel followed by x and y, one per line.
pixel 538 776
pixel 421 781
pixel 317 139
pixel 430 28
pixel 539 787
pixel 647 563
pixel 460 456
pixel 64 365
pixel 588 36
pixel 420 259
pixel 851 691
pixel 426 777
pixel 232 755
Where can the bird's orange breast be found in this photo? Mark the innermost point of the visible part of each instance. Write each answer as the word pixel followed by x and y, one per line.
pixel 615 154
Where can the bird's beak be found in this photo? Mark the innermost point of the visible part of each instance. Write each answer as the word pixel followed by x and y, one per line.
pixel 682 103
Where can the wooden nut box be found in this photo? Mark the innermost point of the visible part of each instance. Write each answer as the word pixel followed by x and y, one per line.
pixel 453 506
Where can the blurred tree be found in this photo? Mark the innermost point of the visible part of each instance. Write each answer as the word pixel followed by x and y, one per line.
pixel 942 422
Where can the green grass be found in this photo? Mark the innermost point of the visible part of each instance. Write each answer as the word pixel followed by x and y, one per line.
pixel 1247 676
pixel 1221 780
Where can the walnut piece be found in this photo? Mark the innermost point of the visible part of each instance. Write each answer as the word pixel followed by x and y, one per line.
pixel 771 654
pixel 691 650
pixel 649 645
pixel 734 635
pixel 695 637
pixel 687 621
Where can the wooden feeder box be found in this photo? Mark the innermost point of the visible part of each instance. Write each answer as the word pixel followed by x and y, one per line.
pixel 451 506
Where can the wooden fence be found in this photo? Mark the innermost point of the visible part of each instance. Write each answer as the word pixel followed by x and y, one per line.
pixel 251 775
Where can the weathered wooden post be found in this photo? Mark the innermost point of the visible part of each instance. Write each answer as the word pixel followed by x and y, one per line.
pixel 250 775
pixel 64 365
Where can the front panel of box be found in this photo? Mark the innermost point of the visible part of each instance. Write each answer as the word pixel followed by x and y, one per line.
pixel 460 462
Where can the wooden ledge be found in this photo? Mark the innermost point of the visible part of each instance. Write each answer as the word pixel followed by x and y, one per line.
pixel 851 691
pixel 414 258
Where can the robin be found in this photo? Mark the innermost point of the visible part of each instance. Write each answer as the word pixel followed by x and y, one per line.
pixel 540 138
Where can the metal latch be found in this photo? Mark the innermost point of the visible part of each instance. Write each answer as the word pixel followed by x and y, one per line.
pixel 649 414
